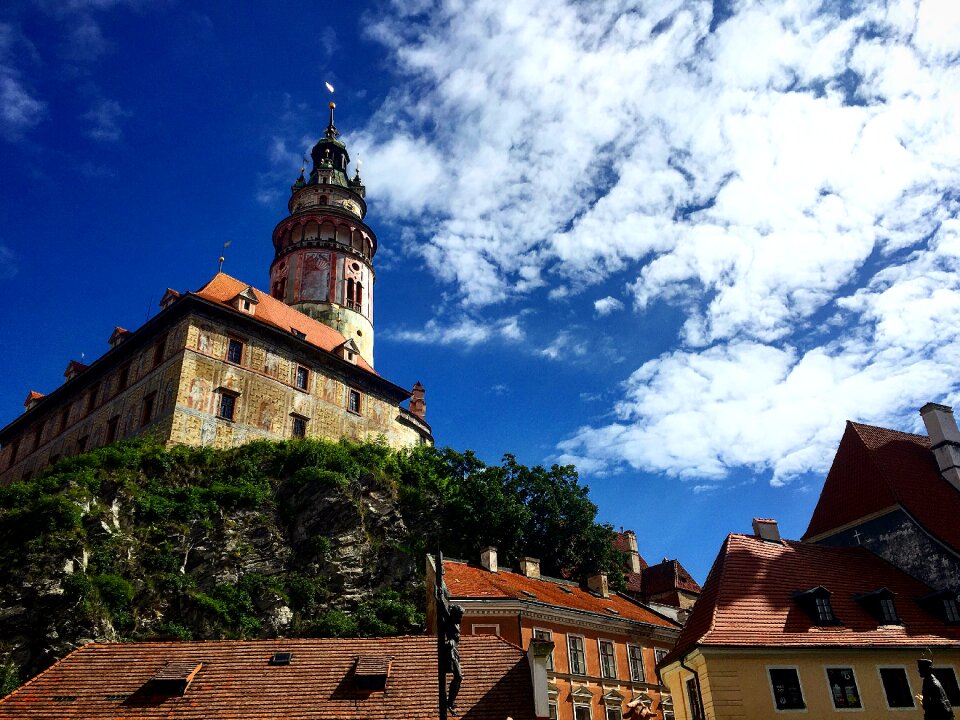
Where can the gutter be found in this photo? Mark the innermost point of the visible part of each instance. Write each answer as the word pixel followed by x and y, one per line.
pixel 696 678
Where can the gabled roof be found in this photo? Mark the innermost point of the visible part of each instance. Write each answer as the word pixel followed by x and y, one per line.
pixel 748 601
pixel 876 469
pixel 237 681
pixel 469 582
pixel 668 575
pixel 222 289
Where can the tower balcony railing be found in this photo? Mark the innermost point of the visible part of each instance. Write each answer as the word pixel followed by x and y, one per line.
pixel 353 305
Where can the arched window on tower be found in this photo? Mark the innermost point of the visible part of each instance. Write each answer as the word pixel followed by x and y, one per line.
pixel 323 199
pixel 359 296
pixel 351 303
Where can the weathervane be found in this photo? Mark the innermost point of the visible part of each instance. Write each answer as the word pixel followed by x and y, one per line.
pixel 331 131
pixel 223 256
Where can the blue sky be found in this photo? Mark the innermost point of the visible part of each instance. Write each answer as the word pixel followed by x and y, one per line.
pixel 675 243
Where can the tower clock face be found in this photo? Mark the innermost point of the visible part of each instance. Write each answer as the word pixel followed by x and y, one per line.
pixel 351 206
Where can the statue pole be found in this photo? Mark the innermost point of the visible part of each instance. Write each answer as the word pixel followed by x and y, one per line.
pixel 441 636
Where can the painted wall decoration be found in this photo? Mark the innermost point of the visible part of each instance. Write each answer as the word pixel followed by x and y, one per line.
pixel 265 416
pixel 197 398
pixel 278 283
pixel 315 278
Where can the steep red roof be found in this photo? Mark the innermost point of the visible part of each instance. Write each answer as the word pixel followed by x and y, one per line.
pixel 668 575
pixel 237 681
pixel 222 289
pixel 876 469
pixel 748 600
pixel 465 581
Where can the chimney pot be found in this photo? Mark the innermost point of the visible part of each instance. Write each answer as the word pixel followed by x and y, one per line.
pixel 944 440
pixel 418 405
pixel 488 558
pixel 598 584
pixel 530 567
pixel 766 529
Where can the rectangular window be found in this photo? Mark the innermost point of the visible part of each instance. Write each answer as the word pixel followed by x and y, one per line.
pixel 696 705
pixel 546 635
pixel 581 712
pixel 950 610
pixel 299 427
pixel 146 414
pixel 843 688
pixel 608 659
pixel 353 400
pixel 234 351
pixel 888 612
pixel 824 610
pixel 552 711
pixel 659 654
pixel 635 656
pixel 303 377
pixel 123 378
pixel 666 706
pixel 485 629
pixel 112 426
pixel 227 406
pixel 614 713
pixel 158 349
pixel 92 398
pixel 787 694
pixel 896 686
pixel 948 679
pixel 578 661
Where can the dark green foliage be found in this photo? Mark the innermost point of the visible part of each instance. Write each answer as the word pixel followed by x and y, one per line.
pixel 147 524
pixel 9 678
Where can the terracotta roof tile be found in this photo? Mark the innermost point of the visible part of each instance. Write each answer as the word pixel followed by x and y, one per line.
pixel 748 600
pixel 270 311
pixel 465 581
pixel 237 682
pixel 875 469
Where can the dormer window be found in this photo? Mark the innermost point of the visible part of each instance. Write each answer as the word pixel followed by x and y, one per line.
pixel 816 603
pixel 879 603
pixel 246 301
pixel 943 604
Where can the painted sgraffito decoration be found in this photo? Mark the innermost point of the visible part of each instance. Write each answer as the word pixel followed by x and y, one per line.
pixel 315 280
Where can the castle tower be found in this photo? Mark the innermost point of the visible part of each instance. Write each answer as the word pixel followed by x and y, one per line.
pixel 323 262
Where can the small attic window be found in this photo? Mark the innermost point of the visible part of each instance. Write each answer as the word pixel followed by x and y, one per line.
pixel 371 672
pixel 281 658
pixel 529 594
pixel 612 611
pixel 246 301
pixel 298 333
pixel 816 603
pixel 943 604
pixel 567 590
pixel 174 678
pixel 880 605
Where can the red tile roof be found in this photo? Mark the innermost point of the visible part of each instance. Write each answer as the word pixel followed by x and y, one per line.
pixel 876 469
pixel 668 575
pixel 222 289
pixel 747 600
pixel 465 581
pixel 237 681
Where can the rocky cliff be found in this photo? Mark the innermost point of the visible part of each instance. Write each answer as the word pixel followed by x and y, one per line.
pixel 302 538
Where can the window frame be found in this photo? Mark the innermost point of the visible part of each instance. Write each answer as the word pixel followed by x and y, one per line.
pixel 305 385
pixel 553 710
pixel 886 696
pixel 113 429
pixel 773 694
pixel 582 705
pixel 694 698
pixel 233 405
pixel 582 653
pixel 293 430
pixel 495 626
pixel 159 351
pixel 233 342
pixel 607 709
pixel 549 638
pixel 953 671
pixel 351 393
pixel 643 666
pixel 856 686
pixel 612 656
pixel 147 408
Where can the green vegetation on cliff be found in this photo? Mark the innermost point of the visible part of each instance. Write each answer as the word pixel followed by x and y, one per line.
pixel 311 538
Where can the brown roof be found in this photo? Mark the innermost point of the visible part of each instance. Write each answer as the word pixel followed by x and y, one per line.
pixel 748 600
pixel 237 681
pixel 876 469
pixel 468 582
pixel 668 575
pixel 222 289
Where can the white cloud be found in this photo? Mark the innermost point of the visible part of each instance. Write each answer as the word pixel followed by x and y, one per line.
pixel 8 263
pixel 105 118
pixel 464 332
pixel 786 182
pixel 19 109
pixel 607 305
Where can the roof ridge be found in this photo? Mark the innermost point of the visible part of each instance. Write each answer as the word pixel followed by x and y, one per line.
pixel 886 429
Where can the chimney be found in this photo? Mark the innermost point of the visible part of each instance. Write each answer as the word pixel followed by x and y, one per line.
pixel 766 529
pixel 944 440
pixel 633 551
pixel 488 558
pixel 598 584
pixel 530 567
pixel 418 405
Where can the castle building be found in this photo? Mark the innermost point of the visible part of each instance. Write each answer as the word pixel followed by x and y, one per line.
pixel 229 363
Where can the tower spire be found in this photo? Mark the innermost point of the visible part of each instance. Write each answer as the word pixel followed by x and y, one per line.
pixel 331 132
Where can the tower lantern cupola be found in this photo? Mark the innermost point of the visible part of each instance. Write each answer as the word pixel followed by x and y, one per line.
pixel 323 251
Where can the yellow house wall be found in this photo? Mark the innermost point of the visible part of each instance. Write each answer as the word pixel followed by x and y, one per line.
pixel 736 685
